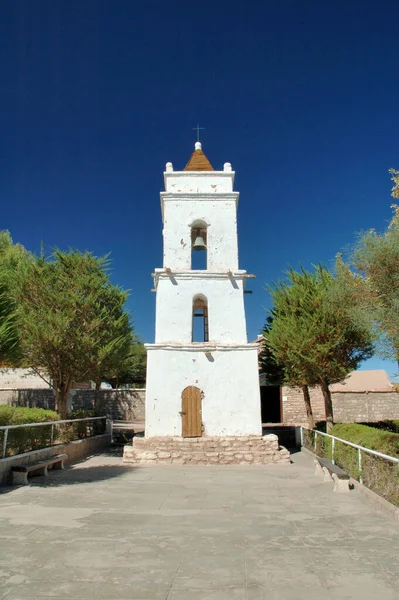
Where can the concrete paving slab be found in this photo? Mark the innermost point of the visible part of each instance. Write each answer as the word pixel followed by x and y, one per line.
pixel 221 594
pixel 103 530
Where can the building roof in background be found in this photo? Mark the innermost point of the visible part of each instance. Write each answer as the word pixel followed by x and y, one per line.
pixel 364 381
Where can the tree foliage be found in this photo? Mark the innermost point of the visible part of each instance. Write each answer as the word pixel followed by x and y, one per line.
pixel 11 256
pixel 276 373
pixel 132 369
pixel 313 336
pixel 372 277
pixel 114 335
pixel 395 179
pixel 270 368
pixel 71 319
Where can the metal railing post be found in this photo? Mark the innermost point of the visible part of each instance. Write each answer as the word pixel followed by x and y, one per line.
pixel 315 441
pixel 332 451
pixel 301 430
pixel 52 435
pixel 359 463
pixel 5 443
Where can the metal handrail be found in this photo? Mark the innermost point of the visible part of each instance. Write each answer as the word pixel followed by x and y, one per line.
pixel 368 450
pixel 50 423
pixel 5 428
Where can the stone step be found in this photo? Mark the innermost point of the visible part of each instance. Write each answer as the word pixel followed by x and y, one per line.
pixel 194 443
pixel 198 460
pixel 205 439
pixel 224 450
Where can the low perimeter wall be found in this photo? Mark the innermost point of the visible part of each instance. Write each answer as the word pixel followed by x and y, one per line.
pixel 31 398
pixel 124 405
pixel 75 451
pixel 349 407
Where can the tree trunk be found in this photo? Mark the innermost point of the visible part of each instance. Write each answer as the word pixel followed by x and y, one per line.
pixel 96 397
pixel 61 400
pixel 327 404
pixel 308 406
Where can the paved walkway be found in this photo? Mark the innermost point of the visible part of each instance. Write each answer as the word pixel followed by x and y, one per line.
pixel 104 530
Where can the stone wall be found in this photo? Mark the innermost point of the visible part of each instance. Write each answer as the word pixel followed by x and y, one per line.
pixel 365 407
pixel 125 405
pixel 32 398
pixel 349 407
pixel 294 412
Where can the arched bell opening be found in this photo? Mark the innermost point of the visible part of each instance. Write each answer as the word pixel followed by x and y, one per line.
pixel 200 330
pixel 198 246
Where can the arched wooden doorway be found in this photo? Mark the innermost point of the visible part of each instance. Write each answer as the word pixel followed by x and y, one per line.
pixel 191 412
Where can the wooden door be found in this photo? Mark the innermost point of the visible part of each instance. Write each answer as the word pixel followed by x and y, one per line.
pixel 191 412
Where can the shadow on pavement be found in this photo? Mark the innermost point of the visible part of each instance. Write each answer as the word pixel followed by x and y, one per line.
pixel 113 451
pixel 73 475
pixel 293 450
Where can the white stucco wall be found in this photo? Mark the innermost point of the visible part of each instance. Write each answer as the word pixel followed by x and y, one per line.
pixel 174 306
pixel 17 379
pixel 220 216
pixel 179 182
pixel 228 379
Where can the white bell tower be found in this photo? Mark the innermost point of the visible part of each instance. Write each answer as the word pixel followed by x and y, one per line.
pixel 202 375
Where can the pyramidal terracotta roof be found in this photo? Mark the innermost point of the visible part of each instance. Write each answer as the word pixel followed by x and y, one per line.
pixel 198 161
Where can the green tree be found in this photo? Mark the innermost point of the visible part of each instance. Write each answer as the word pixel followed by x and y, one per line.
pixel 313 335
pixel 290 373
pixel 372 277
pixel 114 338
pixel 395 179
pixel 65 304
pixel 11 256
pixel 132 370
pixel 269 367
pixel 276 373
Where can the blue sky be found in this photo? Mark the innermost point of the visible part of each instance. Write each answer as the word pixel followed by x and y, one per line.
pixel 96 96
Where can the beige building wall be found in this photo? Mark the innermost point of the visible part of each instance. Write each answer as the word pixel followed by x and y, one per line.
pixel 348 406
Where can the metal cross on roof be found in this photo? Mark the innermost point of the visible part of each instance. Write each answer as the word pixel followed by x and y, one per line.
pixel 197 129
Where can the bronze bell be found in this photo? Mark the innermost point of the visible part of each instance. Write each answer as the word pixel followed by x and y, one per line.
pixel 199 243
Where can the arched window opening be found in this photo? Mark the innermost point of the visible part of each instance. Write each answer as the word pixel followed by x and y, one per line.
pixel 200 320
pixel 198 248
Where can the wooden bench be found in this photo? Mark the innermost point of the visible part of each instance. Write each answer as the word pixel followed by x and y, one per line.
pixel 330 471
pixel 20 474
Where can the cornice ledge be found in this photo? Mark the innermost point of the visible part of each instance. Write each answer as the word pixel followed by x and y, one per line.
pixel 198 173
pixel 202 347
pixel 203 195
pixel 161 273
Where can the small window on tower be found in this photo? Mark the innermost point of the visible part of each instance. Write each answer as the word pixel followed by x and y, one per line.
pixel 198 249
pixel 200 320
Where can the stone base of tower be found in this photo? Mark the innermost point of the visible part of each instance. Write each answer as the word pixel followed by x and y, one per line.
pixel 243 450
